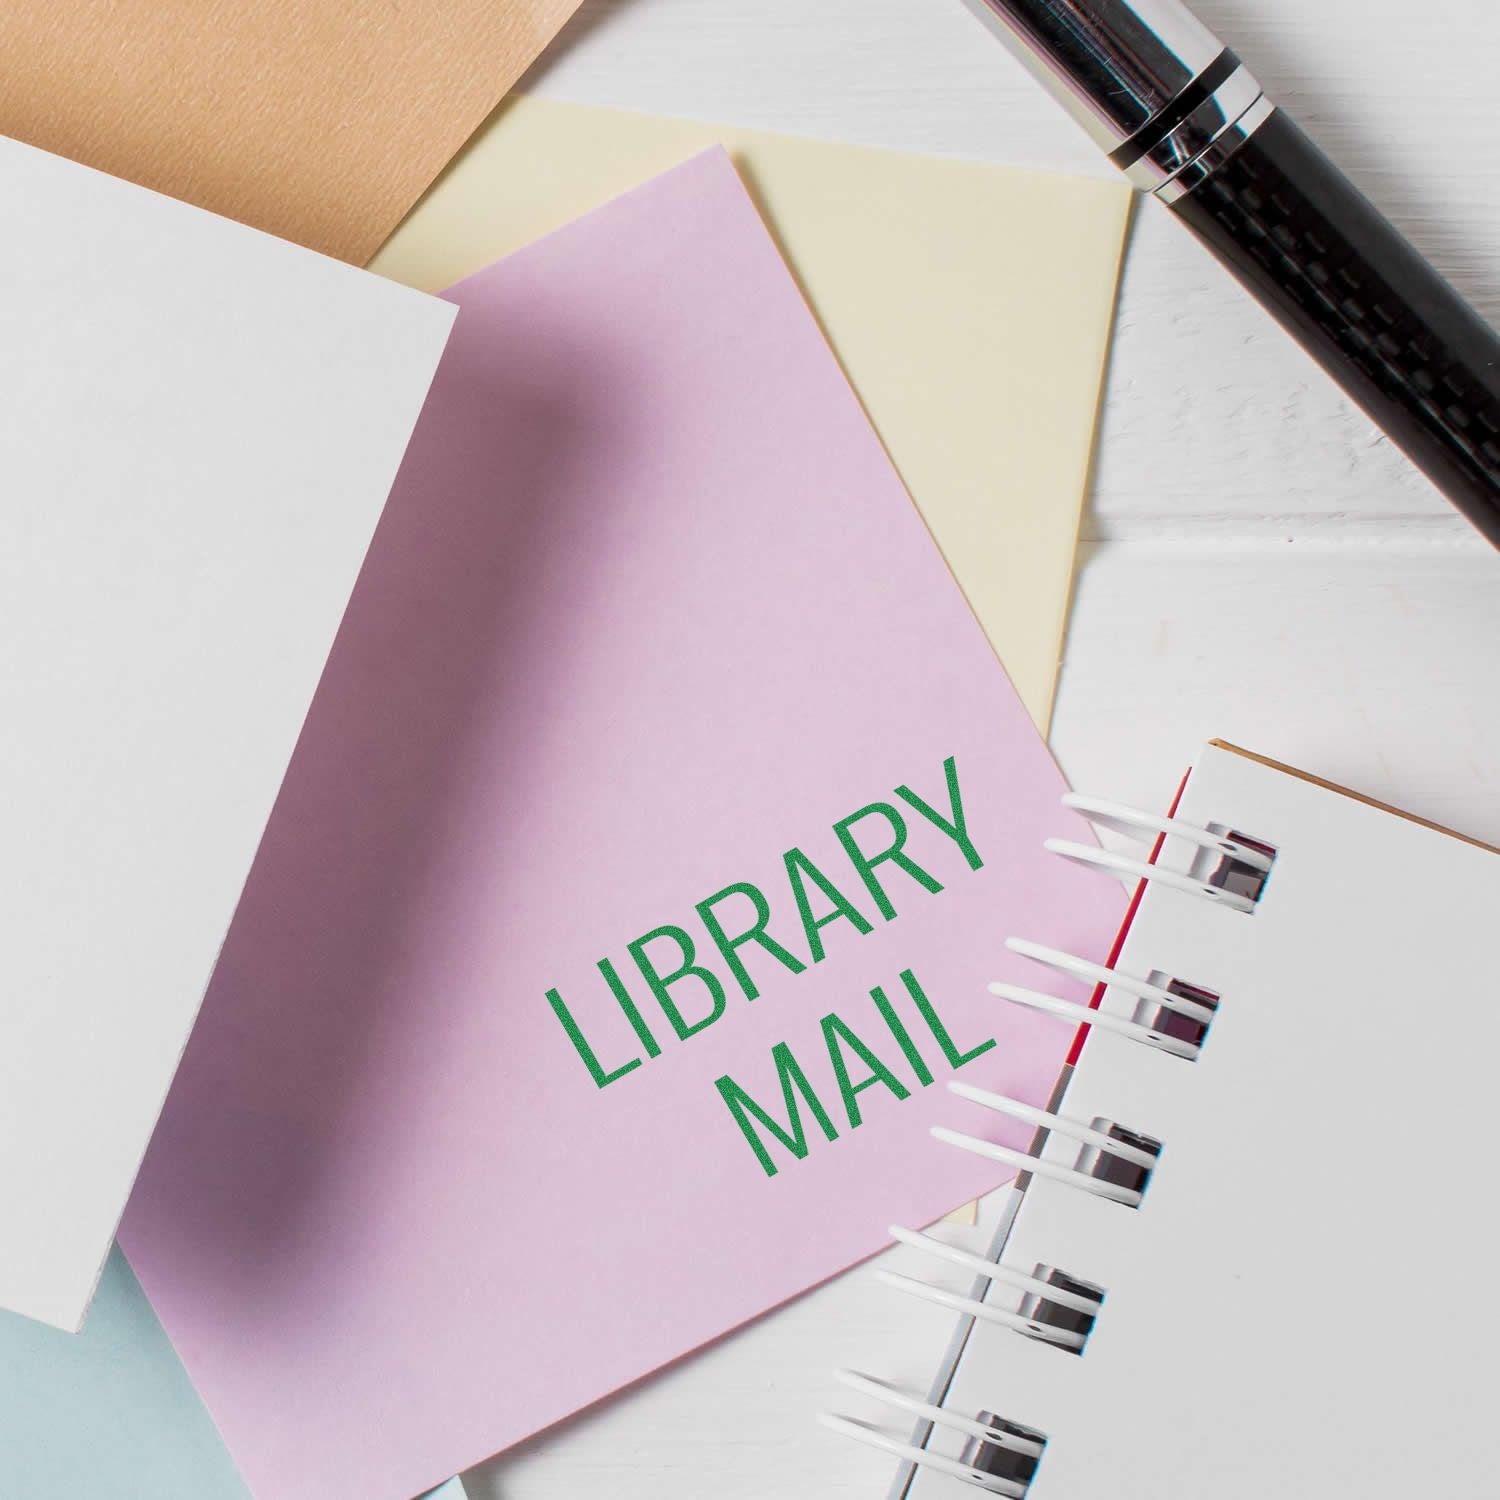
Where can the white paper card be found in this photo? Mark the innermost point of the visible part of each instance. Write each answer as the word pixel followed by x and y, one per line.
pixel 198 427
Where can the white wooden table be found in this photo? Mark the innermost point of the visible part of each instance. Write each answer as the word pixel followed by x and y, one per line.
pixel 1258 562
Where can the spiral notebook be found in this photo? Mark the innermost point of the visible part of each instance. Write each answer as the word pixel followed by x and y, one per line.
pixel 1247 1251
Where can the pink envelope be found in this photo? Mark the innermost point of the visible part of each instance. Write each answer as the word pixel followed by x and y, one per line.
pixel 651 645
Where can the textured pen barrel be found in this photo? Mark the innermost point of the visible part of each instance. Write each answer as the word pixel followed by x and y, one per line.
pixel 1339 276
pixel 1184 119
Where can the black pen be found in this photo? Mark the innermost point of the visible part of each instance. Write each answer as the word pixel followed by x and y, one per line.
pixel 1185 120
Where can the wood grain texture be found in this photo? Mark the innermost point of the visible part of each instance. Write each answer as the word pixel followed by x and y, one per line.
pixel 1259 563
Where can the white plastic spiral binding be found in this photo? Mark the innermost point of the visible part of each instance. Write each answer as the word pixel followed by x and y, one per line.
pixel 1114 1163
pixel 1132 821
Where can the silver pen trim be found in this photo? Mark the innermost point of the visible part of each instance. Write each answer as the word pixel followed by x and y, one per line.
pixel 1225 117
pixel 1217 152
pixel 1115 65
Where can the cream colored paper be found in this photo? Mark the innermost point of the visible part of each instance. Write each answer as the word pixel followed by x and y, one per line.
pixel 970 305
pixel 320 120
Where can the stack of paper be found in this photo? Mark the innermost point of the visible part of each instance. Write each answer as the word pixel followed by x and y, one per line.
pixel 662 808
pixel 651 842
pixel 969 305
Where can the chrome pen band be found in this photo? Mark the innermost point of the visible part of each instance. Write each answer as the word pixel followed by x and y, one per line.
pixel 1116 66
pixel 1205 130
pixel 1163 97
pixel 1219 150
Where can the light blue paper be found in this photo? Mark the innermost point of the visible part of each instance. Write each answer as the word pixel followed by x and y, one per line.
pixel 109 1413
pixel 106 1414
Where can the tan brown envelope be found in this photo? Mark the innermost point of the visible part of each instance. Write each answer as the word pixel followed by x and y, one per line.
pixel 319 120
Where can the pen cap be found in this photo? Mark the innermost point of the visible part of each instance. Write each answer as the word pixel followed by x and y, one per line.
pixel 1150 83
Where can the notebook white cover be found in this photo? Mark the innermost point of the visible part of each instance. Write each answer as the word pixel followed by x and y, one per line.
pixel 1296 1308
pixel 198 428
